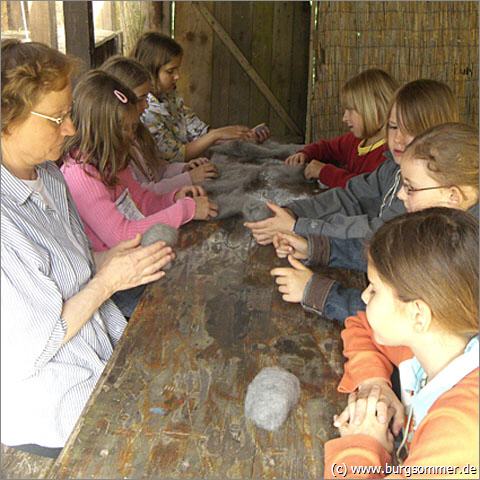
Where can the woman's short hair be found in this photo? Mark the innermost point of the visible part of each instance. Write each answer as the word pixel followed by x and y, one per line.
pixel 29 71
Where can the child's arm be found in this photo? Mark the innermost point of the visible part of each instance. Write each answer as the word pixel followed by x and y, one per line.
pixel 336 150
pixel 98 210
pixel 365 357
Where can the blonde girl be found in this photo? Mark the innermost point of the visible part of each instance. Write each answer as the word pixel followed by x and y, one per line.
pixel 152 171
pixel 422 316
pixel 111 203
pixel 180 135
pixel 365 100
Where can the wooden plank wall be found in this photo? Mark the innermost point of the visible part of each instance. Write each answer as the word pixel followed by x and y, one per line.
pixel 273 36
pixel 410 40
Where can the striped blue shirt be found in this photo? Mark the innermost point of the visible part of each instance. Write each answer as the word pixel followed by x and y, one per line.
pixel 45 260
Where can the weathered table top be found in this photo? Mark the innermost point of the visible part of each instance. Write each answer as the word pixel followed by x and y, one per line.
pixel 170 402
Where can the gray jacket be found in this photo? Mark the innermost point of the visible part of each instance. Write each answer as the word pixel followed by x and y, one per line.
pixel 356 211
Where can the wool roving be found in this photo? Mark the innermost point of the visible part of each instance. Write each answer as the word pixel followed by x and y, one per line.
pixel 270 397
pixel 251 150
pixel 160 232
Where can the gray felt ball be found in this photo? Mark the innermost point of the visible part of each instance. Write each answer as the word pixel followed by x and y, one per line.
pixel 255 210
pixel 161 232
pixel 270 397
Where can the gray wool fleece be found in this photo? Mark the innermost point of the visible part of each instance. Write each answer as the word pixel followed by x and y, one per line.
pixel 356 211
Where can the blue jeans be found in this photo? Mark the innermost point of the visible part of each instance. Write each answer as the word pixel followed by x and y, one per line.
pixel 127 300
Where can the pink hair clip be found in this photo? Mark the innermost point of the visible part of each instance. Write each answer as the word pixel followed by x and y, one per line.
pixel 121 96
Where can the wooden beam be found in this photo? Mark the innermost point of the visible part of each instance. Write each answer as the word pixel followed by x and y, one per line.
pixel 250 71
pixel 311 59
pixel 79 34
pixel 43 23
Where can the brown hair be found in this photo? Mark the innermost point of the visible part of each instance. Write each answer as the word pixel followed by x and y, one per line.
pixel 29 71
pixel 154 50
pixel 422 104
pixel 450 152
pixel 432 255
pixel 370 94
pixel 133 74
pixel 99 116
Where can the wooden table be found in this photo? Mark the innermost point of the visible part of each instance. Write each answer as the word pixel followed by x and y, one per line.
pixel 170 403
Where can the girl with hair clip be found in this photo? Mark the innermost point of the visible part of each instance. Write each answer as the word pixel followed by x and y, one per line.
pixel 439 169
pixel 422 316
pixel 148 168
pixel 365 98
pixel 180 135
pixel 111 203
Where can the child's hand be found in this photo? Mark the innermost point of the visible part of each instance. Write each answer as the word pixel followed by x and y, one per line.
pixel 296 159
pixel 371 425
pixel 264 230
pixel 290 244
pixel 388 401
pixel 203 172
pixel 260 133
pixel 292 281
pixel 190 191
pixel 233 132
pixel 204 209
pixel 312 170
pixel 196 162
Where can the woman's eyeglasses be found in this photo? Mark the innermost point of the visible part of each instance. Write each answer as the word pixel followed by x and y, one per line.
pixel 57 120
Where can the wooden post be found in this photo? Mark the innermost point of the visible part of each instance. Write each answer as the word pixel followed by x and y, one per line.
pixel 250 71
pixel 311 60
pixel 79 34
pixel 43 23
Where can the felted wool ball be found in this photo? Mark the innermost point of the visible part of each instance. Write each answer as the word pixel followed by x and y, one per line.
pixel 270 397
pixel 161 232
pixel 255 210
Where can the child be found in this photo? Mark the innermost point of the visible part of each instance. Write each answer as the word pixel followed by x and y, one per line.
pixel 326 296
pixel 365 99
pixel 147 166
pixel 112 205
pixel 422 316
pixel 368 200
pixel 179 133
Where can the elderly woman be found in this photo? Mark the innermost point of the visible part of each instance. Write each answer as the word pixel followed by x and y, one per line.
pixel 58 326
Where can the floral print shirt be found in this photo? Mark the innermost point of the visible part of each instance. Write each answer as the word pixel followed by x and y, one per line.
pixel 172 124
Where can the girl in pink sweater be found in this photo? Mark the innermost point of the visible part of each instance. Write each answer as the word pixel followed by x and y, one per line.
pixel 112 204
pixel 148 167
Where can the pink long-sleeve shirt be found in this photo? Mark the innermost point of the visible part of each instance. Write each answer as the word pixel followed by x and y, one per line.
pixel 104 224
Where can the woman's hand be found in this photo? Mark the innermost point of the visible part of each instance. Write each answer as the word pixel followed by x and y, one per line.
pixel 296 159
pixel 196 162
pixel 370 424
pixel 387 402
pixel 204 209
pixel 312 170
pixel 203 172
pixel 190 191
pixel 233 132
pixel 292 281
pixel 290 244
pixel 129 264
pixel 264 230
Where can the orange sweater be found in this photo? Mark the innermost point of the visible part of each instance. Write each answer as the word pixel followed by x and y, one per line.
pixel 447 436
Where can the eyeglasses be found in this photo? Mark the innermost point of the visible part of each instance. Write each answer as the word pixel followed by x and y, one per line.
pixel 57 120
pixel 411 190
